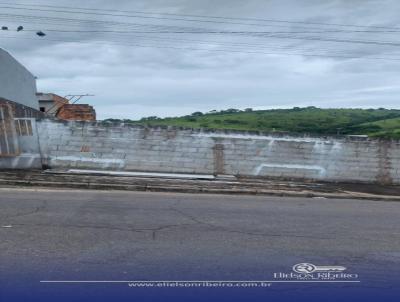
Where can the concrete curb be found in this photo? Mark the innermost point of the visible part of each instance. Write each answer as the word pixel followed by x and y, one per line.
pixel 179 186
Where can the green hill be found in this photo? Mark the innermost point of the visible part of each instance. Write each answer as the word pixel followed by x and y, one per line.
pixel 387 128
pixel 373 122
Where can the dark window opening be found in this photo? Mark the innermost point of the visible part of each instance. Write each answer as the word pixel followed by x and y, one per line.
pixel 43 109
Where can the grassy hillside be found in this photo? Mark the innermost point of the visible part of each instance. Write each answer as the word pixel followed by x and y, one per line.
pixel 388 128
pixel 373 122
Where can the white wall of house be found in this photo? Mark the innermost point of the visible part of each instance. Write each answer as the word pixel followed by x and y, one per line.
pixel 17 84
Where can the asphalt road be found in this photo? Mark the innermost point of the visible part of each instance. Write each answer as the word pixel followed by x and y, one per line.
pixel 94 235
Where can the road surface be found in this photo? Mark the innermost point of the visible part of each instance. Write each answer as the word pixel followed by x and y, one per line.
pixel 96 235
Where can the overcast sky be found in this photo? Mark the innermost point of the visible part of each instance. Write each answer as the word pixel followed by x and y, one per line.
pixel 186 66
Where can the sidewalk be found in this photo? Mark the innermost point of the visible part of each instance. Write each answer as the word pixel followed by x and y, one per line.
pixel 160 182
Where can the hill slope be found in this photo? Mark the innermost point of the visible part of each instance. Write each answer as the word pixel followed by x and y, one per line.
pixel 372 122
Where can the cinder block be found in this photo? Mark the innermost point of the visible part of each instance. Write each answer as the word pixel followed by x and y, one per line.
pixel 159 149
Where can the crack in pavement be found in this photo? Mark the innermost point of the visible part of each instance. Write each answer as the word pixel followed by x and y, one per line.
pixel 34 211
pixel 224 229
pixel 102 227
pixel 155 230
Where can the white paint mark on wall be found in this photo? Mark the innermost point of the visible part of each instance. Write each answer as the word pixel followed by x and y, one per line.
pixel 145 174
pixel 337 147
pixel 105 162
pixel 267 151
pixel 271 143
pixel 24 160
pixel 319 147
pixel 319 169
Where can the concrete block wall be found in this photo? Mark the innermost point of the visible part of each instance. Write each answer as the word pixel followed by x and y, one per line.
pixel 91 145
pixel 95 146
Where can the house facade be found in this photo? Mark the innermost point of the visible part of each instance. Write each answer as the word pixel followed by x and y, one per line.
pixel 19 109
pixel 17 84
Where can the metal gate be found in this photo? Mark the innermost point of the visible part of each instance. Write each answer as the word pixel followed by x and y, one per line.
pixel 8 135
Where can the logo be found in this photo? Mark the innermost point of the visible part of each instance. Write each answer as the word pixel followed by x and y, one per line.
pixel 309 268
pixel 311 272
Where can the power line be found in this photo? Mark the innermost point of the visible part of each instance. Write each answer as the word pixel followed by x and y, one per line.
pixel 209 32
pixel 80 22
pixel 244 44
pixel 202 16
pixel 168 29
pixel 238 45
pixel 209 42
pixel 131 16
pixel 221 50
pixel 193 30
pixel 125 24
pixel 257 34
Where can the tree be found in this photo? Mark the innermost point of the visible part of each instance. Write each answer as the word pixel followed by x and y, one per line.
pixel 231 110
pixel 150 118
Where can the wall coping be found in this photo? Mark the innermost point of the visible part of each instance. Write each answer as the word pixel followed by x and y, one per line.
pixel 220 131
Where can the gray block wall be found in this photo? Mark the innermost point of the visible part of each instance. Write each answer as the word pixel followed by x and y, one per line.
pixel 93 146
pixel 135 148
pixel 17 84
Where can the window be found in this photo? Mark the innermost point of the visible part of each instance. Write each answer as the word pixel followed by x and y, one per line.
pixel 8 140
pixel 43 109
pixel 23 127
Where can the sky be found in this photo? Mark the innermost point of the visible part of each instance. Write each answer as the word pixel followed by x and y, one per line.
pixel 174 57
